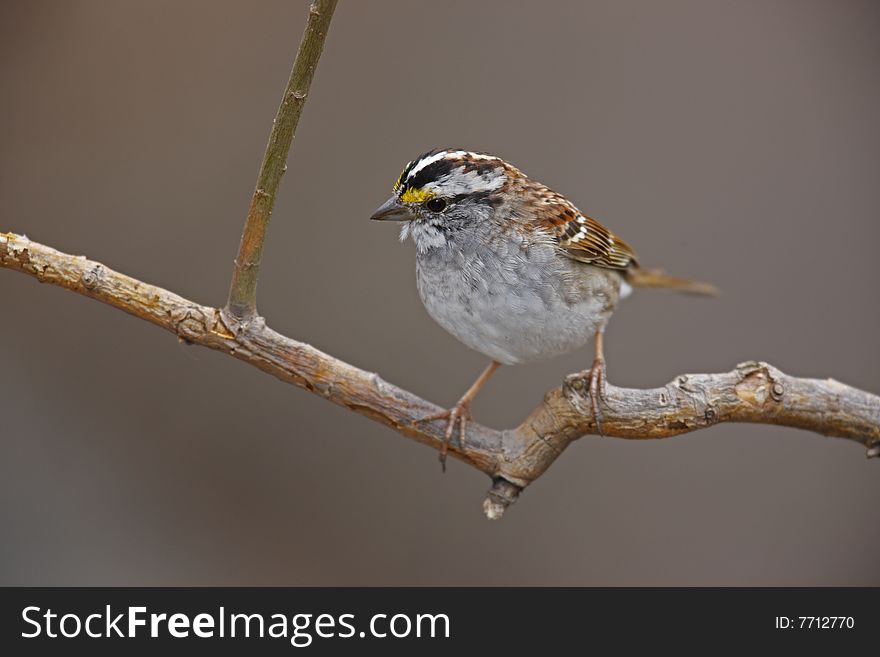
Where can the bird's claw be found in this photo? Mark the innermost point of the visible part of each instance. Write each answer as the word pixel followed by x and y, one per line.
pixel 596 389
pixel 460 413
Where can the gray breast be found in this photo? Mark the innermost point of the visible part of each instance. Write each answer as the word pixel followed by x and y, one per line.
pixel 514 304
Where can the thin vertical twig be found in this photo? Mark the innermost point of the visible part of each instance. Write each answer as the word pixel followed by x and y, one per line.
pixel 242 303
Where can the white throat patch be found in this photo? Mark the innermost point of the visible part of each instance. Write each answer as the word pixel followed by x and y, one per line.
pixel 424 235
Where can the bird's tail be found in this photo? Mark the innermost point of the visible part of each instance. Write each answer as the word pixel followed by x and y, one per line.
pixel 656 278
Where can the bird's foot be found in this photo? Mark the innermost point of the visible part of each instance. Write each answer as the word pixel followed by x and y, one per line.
pixel 594 379
pixel 460 413
pixel 597 391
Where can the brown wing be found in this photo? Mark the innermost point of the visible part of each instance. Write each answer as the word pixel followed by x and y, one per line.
pixel 583 238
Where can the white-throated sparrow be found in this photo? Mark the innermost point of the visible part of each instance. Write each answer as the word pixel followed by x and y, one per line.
pixel 511 268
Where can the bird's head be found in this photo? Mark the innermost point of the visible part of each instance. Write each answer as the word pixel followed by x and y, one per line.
pixel 444 191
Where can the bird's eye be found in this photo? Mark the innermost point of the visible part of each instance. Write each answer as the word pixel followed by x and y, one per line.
pixel 436 204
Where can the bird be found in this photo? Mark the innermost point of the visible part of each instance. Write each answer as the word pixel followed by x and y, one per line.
pixel 512 268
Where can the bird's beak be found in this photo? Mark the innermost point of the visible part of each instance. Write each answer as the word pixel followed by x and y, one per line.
pixel 392 210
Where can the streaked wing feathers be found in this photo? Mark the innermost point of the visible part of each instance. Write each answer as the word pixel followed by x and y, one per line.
pixel 583 238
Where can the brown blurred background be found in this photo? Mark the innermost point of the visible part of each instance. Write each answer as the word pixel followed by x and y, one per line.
pixel 732 141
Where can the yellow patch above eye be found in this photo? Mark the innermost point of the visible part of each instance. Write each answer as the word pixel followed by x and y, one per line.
pixel 412 195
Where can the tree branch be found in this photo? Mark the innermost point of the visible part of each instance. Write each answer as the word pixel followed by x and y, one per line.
pixel 753 392
pixel 242 303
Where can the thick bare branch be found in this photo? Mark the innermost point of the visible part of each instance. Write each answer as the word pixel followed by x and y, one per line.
pixel 242 304
pixel 253 342
pixel 753 392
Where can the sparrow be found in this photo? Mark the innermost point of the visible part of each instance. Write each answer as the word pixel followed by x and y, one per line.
pixel 512 268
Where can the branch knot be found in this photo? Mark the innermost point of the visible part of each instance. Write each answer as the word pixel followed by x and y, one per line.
pixel 190 323
pixel 92 278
